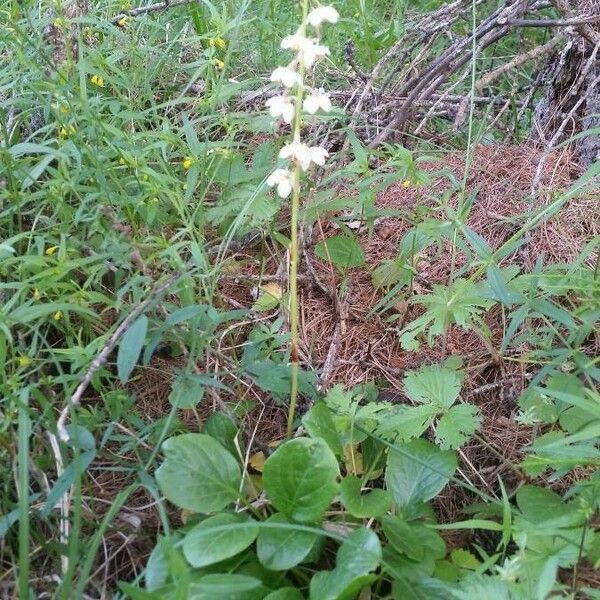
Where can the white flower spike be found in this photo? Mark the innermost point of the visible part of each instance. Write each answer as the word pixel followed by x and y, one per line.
pixel 317 100
pixel 323 14
pixel 307 50
pixel 304 154
pixel 297 151
pixel 281 106
pixel 286 76
pixel 283 179
pixel 318 155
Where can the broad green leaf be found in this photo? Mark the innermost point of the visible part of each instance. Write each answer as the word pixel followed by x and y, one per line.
pixel 435 384
pixel 187 391
pixel 342 250
pixel 372 504
pixel 130 347
pixel 226 586
pixel 417 471
pixel 544 510
pixel 358 555
pixel 198 474
pixel 496 279
pixel 414 540
pixel 286 593
pixel 457 426
pixel 211 541
pixel 281 549
pixel 300 479
pixel 319 423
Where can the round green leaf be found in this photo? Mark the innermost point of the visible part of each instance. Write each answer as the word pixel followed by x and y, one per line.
pixel 300 479
pixel 412 539
pixel 281 549
pixel 417 471
pixel 218 538
pixel 286 593
pixel 225 586
pixel 198 474
pixel 373 504
pixel 358 555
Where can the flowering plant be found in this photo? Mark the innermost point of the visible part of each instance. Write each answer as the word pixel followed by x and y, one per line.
pixel 296 97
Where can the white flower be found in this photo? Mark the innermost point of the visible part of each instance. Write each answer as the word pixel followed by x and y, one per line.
pixel 286 76
pixel 323 14
pixel 304 154
pixel 281 106
pixel 283 179
pixel 307 49
pixel 317 99
pixel 318 155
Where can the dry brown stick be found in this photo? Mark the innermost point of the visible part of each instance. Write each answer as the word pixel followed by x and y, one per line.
pixel 142 10
pixel 557 134
pixel 336 339
pixel 572 22
pixel 517 61
pixel 110 345
pixel 488 78
pixel 583 29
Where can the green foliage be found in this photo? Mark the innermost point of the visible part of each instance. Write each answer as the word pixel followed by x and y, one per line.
pixel 138 159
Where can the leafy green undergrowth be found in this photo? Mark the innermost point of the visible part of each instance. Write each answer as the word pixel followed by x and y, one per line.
pixel 131 163
pixel 313 525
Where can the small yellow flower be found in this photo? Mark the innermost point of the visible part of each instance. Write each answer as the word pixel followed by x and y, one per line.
pixel 24 361
pixel 122 161
pixel 219 42
pixel 188 161
pixel 60 22
pixel 97 80
pixel 122 22
pixel 145 177
pixel 57 316
pixel 153 200
pixel 52 250
pixel 218 64
pixel 37 294
pixel 406 183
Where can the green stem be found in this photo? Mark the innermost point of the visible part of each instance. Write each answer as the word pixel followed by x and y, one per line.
pixel 294 254
pixel 294 329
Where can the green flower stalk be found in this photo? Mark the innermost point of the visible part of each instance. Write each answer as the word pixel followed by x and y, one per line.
pixel 296 98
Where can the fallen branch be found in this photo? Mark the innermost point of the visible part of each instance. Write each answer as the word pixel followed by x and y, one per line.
pixel 142 10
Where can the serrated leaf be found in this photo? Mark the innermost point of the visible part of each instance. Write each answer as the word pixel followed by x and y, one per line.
pixel 198 474
pixel 457 426
pixel 130 347
pixel 342 250
pixel 282 549
pixel 405 423
pixel 372 504
pixel 435 384
pixel 300 479
pixel 391 272
pixel 464 559
pixel 417 471
pixel 210 542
